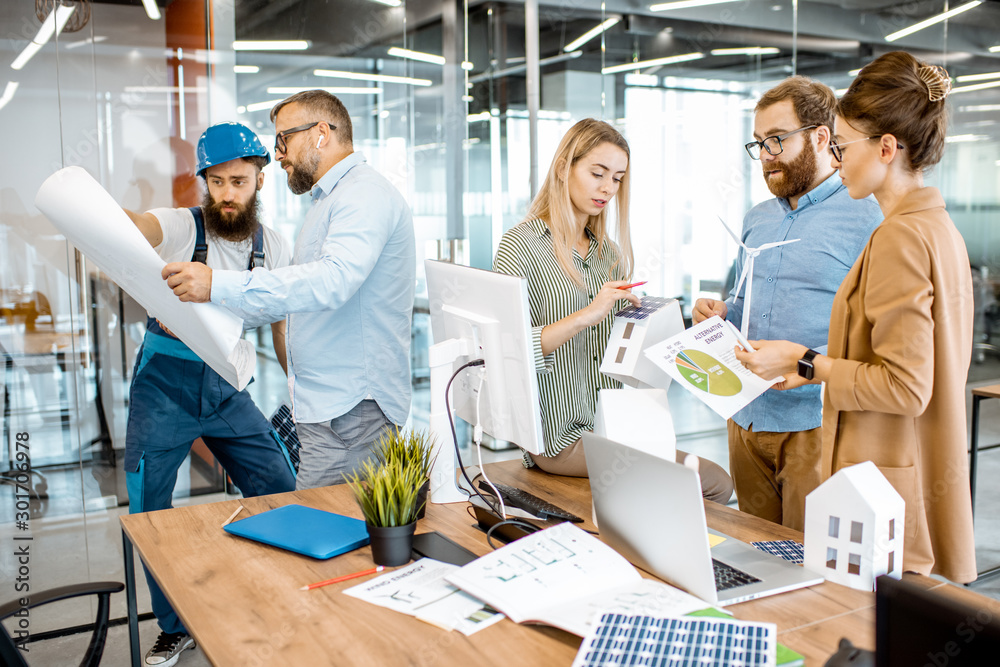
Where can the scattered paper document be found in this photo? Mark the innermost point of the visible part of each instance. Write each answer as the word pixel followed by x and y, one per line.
pixel 563 576
pixel 622 639
pixel 93 222
pixel 420 590
pixel 701 359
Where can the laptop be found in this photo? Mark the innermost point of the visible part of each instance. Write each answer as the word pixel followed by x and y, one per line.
pixel 651 511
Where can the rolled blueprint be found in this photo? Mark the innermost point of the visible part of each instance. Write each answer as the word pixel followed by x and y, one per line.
pixel 94 222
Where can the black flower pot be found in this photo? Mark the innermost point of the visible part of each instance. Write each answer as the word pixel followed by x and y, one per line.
pixel 422 499
pixel 391 545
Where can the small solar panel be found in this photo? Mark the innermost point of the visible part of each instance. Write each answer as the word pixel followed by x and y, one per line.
pixel 619 639
pixel 647 306
pixel 790 550
pixel 284 426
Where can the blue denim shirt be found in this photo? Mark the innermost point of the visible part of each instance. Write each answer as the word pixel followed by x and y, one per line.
pixel 348 293
pixel 794 286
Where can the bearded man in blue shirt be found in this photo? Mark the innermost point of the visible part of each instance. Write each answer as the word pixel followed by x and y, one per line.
pixel 348 293
pixel 774 442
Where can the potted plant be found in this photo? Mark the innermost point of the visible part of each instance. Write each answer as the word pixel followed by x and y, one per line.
pixel 411 449
pixel 387 494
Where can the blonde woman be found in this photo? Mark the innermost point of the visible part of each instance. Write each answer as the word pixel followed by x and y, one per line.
pixel 575 272
pixel 901 325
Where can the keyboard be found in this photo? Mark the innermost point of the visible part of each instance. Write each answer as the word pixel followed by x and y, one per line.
pixel 727 577
pixel 521 499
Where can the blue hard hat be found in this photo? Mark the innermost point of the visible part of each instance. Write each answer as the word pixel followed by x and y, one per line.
pixel 227 141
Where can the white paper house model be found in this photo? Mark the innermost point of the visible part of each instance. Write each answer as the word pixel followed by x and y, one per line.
pixel 639 418
pixel 854 527
pixel 635 329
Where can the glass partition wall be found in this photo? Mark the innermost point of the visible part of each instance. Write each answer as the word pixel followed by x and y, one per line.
pixel 461 105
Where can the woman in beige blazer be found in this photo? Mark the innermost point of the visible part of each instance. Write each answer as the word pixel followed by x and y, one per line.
pixel 901 325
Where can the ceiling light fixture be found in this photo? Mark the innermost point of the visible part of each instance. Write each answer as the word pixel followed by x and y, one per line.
pixel 8 93
pixel 669 60
pixel 52 25
pixel 245 69
pixel 152 11
pixel 272 45
pixel 995 49
pixel 685 4
pixel 978 77
pixel 382 78
pixel 389 3
pixel 590 34
pixel 333 90
pixel 855 72
pixel 259 106
pixel 964 138
pixel 84 42
pixel 975 86
pixel 747 51
pixel 416 55
pixel 932 20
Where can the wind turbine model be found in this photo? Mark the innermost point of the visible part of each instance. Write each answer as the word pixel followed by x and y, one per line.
pixel 747 273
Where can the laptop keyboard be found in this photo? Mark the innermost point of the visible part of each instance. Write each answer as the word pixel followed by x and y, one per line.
pixel 727 577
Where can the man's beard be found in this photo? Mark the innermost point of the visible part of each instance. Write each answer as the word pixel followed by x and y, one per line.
pixel 303 175
pixel 236 226
pixel 798 174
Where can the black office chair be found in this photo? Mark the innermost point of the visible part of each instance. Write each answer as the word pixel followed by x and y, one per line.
pixel 12 656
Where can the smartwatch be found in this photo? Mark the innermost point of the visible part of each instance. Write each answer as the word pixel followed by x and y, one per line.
pixel 806 367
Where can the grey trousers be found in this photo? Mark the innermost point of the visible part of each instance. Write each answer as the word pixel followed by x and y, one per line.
pixel 337 447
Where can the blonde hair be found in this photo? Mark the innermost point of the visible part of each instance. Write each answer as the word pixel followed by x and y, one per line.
pixel 553 204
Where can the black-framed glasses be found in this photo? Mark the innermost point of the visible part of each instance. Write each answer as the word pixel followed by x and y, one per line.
pixel 279 139
pixel 772 144
pixel 838 149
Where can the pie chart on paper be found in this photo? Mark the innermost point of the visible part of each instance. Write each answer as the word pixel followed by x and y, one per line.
pixel 705 372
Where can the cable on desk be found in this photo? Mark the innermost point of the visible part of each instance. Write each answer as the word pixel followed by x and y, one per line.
pixel 454 435
pixel 513 522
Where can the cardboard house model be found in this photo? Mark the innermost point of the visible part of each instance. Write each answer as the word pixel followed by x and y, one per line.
pixel 634 330
pixel 854 528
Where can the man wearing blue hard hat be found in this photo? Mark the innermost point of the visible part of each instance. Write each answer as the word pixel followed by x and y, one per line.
pixel 175 397
pixel 348 293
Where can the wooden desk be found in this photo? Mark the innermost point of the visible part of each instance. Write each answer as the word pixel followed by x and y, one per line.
pixel 240 599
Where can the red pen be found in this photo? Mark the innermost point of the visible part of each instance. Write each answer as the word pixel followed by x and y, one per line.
pixel 337 580
pixel 632 285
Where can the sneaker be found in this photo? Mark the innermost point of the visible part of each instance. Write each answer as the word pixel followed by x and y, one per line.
pixel 167 649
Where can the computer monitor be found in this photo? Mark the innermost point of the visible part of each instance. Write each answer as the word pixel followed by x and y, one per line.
pixel 918 626
pixel 483 315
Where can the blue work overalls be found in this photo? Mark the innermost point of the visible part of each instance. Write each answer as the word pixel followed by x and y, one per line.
pixel 175 398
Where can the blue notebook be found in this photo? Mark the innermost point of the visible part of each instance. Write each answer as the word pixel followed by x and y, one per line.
pixel 304 530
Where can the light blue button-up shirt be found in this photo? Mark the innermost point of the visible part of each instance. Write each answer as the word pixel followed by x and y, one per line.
pixel 348 295
pixel 794 286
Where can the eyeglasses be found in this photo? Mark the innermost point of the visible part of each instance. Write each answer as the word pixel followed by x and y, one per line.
pixel 838 149
pixel 279 140
pixel 772 144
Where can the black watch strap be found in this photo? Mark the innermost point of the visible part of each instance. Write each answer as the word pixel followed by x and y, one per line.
pixel 806 368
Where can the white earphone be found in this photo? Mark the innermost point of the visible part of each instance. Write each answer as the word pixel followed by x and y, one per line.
pixel 319 142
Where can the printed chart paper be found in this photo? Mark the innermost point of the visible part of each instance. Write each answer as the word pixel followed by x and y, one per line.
pixel 420 590
pixel 701 359
pixel 94 222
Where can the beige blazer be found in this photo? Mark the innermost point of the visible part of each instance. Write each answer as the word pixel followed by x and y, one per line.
pixel 901 339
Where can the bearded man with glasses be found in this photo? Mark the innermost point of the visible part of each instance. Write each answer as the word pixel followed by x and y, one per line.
pixel 348 294
pixel 774 442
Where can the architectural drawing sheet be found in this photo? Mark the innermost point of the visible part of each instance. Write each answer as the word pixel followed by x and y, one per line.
pixel 701 359
pixel 94 222
pixel 419 589
pixel 564 577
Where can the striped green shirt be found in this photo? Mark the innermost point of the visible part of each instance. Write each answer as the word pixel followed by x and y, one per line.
pixel 568 379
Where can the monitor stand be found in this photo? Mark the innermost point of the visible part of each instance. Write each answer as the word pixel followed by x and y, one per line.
pixel 445 486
